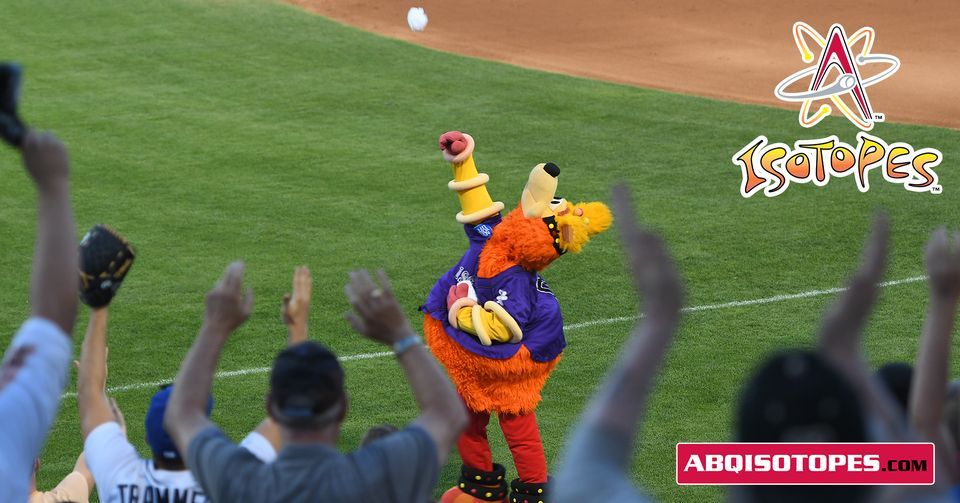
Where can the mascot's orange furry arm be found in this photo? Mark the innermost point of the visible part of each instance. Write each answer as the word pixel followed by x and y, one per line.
pixel 496 325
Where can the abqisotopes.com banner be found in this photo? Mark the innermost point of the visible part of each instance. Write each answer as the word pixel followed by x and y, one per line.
pixel 805 463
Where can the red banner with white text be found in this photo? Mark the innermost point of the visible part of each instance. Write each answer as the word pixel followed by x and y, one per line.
pixel 734 463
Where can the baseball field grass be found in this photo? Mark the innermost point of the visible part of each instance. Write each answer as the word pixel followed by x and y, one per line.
pixel 242 129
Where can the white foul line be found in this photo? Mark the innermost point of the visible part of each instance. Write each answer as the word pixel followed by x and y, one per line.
pixel 572 326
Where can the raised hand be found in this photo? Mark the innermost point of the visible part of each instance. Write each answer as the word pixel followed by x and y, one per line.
pixel 840 331
pixel 618 406
pixel 932 369
pixel 46 159
pixel 296 306
pixel 655 275
pixel 228 306
pixel 943 264
pixel 376 313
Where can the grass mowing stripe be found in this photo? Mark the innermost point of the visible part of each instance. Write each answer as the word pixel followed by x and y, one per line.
pixel 742 303
pixel 228 373
pixel 572 326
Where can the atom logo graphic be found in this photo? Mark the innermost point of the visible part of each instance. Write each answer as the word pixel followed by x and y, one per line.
pixel 837 53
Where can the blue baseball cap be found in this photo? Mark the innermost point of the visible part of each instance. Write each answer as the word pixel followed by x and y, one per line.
pixel 160 442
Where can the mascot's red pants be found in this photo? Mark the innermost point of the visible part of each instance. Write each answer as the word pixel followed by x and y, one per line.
pixel 523 438
pixel 510 387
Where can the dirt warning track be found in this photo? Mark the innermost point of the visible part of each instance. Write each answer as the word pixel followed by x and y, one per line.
pixel 733 49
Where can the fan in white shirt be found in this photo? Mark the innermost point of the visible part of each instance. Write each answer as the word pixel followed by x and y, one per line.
pixel 34 369
pixel 120 473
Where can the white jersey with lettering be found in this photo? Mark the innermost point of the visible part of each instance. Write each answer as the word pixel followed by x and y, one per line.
pixel 122 476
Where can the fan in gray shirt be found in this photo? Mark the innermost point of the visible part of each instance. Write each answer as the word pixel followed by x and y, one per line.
pixel 400 467
pixel 308 404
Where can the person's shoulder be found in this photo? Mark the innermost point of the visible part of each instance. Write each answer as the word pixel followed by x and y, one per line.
pixel 107 440
pixel 37 329
pixel 210 436
pixel 105 435
pixel 211 448
pixel 42 336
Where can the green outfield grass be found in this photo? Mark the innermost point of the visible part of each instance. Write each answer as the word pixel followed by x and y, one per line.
pixel 211 131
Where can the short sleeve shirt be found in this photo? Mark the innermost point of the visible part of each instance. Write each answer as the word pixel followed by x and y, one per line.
pixel 122 476
pixel 32 378
pixel 399 468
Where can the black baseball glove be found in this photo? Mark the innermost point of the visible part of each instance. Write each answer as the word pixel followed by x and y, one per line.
pixel 105 258
pixel 12 129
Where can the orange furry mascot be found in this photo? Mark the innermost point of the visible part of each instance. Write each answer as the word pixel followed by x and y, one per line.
pixel 494 323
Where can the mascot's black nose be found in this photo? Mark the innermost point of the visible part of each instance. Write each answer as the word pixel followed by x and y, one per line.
pixel 552 169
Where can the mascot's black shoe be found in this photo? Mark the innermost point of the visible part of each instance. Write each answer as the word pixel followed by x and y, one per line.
pixel 478 485
pixel 528 492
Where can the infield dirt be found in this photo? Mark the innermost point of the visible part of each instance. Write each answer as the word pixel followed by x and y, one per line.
pixel 733 49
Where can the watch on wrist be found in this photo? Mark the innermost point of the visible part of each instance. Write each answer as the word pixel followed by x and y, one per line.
pixel 405 344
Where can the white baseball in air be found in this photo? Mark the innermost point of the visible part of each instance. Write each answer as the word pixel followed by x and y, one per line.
pixel 416 18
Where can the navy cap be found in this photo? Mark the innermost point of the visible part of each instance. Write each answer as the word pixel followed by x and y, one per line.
pixel 160 442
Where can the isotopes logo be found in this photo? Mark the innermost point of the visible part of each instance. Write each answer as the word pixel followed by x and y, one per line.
pixel 805 463
pixel 836 53
pixel 845 68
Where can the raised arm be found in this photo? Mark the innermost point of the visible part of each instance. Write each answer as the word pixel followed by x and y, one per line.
pixel 928 390
pixel 81 468
pixel 620 403
pixel 228 307
pixel 295 312
pixel 377 315
pixel 92 398
pixel 603 440
pixel 841 332
pixel 54 280
pixel 295 309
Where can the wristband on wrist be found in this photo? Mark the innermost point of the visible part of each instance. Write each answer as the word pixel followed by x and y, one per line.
pixel 403 345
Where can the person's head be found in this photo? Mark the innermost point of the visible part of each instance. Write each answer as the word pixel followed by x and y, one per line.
pixel 795 396
pixel 376 433
pixel 897 377
pixel 165 453
pixel 306 389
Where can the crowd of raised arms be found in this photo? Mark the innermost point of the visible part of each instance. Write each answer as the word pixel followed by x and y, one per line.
pixel 292 454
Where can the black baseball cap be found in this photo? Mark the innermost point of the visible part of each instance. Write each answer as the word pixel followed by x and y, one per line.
pixel 306 382
pixel 795 396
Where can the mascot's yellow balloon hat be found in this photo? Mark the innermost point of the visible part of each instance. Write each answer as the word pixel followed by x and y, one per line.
pixel 570 226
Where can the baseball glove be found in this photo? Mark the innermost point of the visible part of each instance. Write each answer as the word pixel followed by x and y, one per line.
pixel 105 258
pixel 12 129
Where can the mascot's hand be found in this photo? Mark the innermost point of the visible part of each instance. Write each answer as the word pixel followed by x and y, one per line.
pixel 453 143
pixel 459 296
